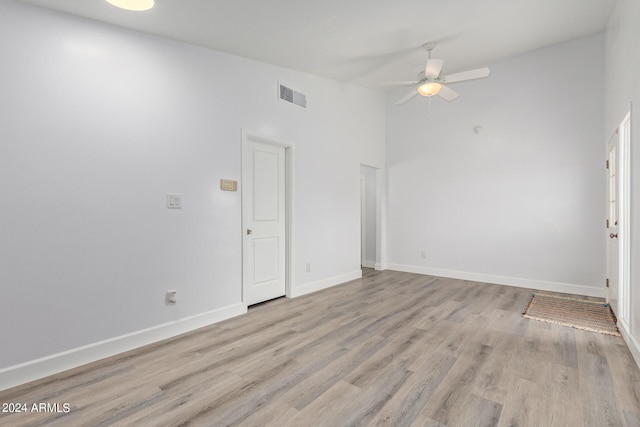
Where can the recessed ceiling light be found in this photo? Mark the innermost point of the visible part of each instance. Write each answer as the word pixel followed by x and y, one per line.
pixel 133 5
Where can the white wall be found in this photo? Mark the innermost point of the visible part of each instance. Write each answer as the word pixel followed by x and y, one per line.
pixel 622 89
pixel 522 202
pixel 97 125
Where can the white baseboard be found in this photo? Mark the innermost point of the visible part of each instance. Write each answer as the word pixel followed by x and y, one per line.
pixel 308 288
pixel 632 343
pixel 40 368
pixel 502 280
pixel 368 264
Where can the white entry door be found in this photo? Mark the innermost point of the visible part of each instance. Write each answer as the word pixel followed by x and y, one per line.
pixel 613 218
pixel 263 196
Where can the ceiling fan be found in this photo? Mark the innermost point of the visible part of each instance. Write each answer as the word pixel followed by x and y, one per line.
pixel 431 83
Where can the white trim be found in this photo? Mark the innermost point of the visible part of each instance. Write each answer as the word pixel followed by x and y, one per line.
pixel 630 340
pixel 363 218
pixel 378 266
pixel 308 288
pixel 56 363
pixel 624 277
pixel 502 280
pixel 381 219
pixel 379 214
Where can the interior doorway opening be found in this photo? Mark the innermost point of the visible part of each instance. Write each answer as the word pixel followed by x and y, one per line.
pixel 370 217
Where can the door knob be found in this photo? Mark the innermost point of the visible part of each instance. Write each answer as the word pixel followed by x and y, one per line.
pixel 613 235
pixel 249 231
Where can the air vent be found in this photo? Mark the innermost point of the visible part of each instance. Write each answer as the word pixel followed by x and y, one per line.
pixel 292 96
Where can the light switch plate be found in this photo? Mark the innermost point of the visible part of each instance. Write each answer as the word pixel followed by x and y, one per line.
pixel 174 201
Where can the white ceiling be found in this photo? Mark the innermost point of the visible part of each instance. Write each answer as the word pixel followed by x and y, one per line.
pixel 359 41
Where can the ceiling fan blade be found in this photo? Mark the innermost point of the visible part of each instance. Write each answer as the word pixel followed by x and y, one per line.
pixel 398 83
pixel 447 94
pixel 407 97
pixel 478 73
pixel 433 68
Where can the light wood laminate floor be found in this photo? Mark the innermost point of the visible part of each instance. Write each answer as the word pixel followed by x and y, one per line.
pixel 389 349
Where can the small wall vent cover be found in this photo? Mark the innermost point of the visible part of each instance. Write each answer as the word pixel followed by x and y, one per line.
pixel 292 96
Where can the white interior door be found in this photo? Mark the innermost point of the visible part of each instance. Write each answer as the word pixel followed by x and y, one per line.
pixel 263 191
pixel 613 219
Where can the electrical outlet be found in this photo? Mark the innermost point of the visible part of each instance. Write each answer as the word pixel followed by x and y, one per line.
pixel 423 254
pixel 308 267
pixel 171 298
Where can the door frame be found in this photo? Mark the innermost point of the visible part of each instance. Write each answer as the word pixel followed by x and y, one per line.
pixel 379 215
pixel 289 149
pixel 624 245
pixel 363 220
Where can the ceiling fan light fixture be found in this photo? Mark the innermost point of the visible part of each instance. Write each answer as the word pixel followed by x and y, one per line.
pixel 133 5
pixel 429 89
